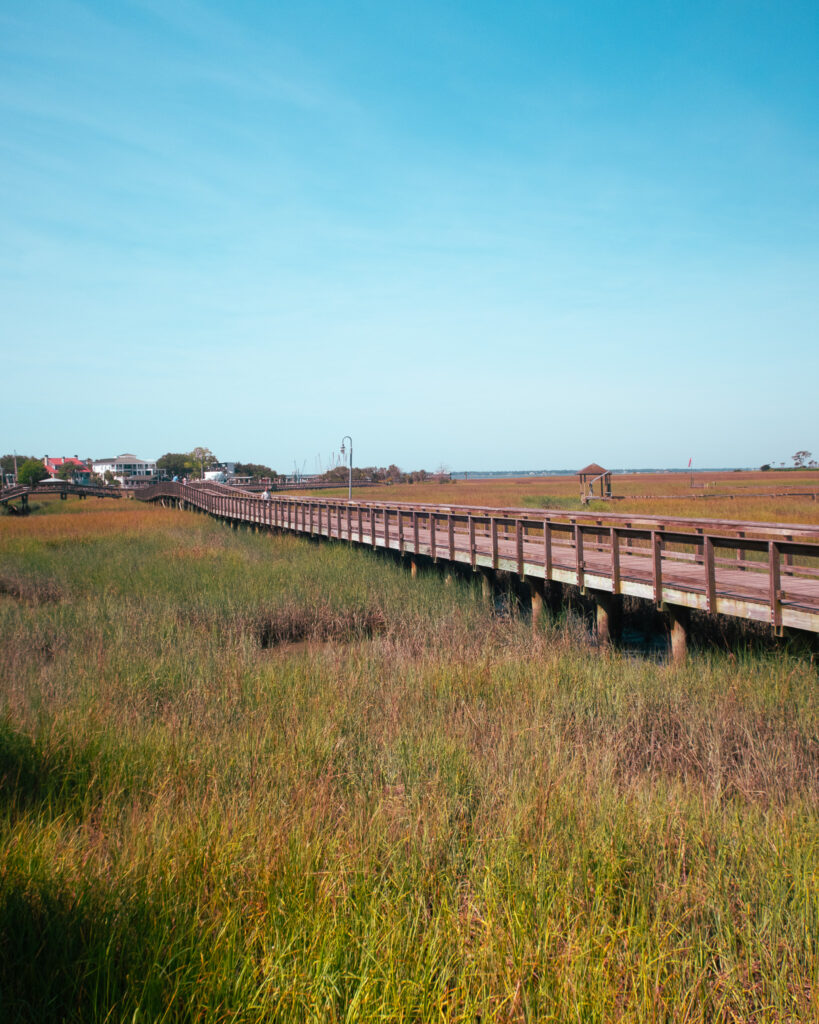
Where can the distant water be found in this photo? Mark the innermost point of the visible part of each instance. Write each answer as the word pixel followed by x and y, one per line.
pixel 491 474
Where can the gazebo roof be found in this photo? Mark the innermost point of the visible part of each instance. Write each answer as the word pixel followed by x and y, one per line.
pixel 592 470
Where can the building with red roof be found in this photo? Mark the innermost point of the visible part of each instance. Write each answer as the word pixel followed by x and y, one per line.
pixel 80 470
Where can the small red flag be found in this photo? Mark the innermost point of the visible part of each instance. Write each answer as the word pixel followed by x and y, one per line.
pixel 689 463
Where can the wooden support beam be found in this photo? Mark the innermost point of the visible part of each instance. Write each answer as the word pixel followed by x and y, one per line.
pixel 537 590
pixel 487 586
pixel 608 616
pixel 679 623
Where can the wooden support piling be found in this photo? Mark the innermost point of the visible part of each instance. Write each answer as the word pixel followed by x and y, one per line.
pixel 679 622
pixel 607 616
pixel 537 590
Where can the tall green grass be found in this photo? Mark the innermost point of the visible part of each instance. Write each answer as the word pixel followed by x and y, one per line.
pixel 249 778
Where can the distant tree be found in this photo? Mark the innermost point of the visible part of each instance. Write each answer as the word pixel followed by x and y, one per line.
pixel 255 469
pixel 7 462
pixel 799 458
pixel 174 464
pixel 68 471
pixel 765 468
pixel 109 478
pixel 31 472
pixel 200 459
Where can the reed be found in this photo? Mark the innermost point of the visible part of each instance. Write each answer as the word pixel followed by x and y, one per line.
pixel 250 778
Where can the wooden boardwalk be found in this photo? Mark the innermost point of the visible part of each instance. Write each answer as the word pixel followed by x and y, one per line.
pixel 765 572
pixel 21 492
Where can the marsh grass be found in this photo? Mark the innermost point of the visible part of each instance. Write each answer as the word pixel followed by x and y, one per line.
pixel 397 807
pixel 729 495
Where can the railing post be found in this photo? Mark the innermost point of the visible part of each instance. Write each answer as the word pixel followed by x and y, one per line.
pixel 494 532
pixel 451 535
pixel 472 542
pixel 519 546
pixel 775 585
pixel 400 531
pixel 578 557
pixel 415 531
pixel 432 548
pixel 547 549
pixel 386 529
pixel 657 565
pixel 615 560
pixel 710 574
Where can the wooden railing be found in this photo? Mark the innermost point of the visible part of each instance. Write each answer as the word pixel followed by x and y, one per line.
pixel 61 487
pixel 768 572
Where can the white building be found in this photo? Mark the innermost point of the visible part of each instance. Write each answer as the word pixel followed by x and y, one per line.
pixel 221 472
pixel 125 467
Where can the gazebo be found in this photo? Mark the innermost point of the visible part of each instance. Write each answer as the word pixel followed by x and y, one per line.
pixel 591 475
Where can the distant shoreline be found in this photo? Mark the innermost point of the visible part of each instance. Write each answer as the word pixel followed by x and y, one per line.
pixel 470 474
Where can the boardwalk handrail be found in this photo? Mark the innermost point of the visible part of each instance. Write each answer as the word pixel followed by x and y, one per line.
pixel 636 520
pixel 767 572
pixel 61 487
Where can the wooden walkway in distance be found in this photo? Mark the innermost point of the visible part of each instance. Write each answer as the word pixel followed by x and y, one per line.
pixel 765 572
pixel 21 492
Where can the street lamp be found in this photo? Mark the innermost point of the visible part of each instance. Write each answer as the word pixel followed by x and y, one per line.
pixel 350 486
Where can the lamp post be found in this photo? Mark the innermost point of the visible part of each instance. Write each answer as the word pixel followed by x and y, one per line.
pixel 350 485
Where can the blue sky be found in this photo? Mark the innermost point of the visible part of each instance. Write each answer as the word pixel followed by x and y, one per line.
pixel 485 235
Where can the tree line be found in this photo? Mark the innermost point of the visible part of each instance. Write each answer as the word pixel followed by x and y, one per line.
pixel 196 463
